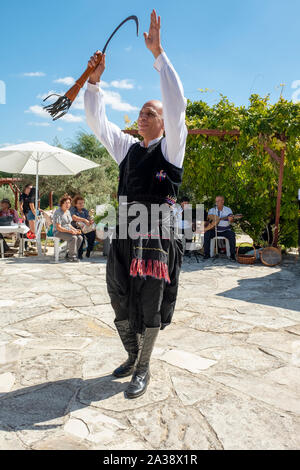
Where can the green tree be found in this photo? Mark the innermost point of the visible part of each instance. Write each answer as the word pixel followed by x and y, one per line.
pixel 98 185
pixel 239 167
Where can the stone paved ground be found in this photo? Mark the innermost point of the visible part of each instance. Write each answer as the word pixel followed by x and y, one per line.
pixel 226 373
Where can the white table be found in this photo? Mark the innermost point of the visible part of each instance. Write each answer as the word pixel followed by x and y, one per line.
pixel 15 228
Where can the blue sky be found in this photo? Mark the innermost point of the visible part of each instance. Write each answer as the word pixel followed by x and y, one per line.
pixel 232 47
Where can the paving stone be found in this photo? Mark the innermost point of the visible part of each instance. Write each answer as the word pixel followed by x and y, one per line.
pixel 186 360
pixel 62 441
pixel 63 322
pixel 260 388
pixel 288 376
pixel 58 343
pixel 225 374
pixel 124 441
pixel 77 428
pixel 51 366
pixel 234 419
pixel 104 313
pixel 192 340
pixel 92 416
pixel 261 319
pixel 281 341
pixel 7 381
pixel 294 329
pixel 9 317
pixel 223 325
pixel 191 389
pixel 244 357
pixel 173 428
pixel 9 440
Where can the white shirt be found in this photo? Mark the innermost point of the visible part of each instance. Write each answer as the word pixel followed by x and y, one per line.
pixel 225 212
pixel 118 143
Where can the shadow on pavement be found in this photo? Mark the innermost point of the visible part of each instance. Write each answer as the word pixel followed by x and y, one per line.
pixel 23 409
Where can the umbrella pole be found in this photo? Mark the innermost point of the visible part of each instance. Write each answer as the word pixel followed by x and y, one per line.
pixel 37 235
pixel 37 189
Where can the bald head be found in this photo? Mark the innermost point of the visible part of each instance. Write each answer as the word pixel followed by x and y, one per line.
pixel 150 121
pixel 154 104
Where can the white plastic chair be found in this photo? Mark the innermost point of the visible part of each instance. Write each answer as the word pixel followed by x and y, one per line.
pixel 39 223
pixel 193 247
pixel 58 249
pixel 213 246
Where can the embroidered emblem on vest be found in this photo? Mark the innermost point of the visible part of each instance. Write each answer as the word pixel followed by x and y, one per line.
pixel 161 175
pixel 171 200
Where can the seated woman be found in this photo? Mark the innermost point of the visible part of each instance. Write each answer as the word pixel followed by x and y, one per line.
pixel 63 229
pixel 81 215
pixel 7 211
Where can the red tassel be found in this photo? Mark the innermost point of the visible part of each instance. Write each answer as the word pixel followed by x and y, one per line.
pixel 149 268
pixel 163 270
pixel 160 270
pixel 153 268
pixel 140 267
pixel 133 267
pixel 166 274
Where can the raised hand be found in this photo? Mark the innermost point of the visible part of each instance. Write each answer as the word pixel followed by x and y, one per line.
pixel 95 76
pixel 152 39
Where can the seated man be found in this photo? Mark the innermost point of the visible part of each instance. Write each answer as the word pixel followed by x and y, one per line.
pixel 223 227
pixel 7 211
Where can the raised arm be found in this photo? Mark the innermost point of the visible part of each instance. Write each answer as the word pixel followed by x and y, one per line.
pixel 110 135
pixel 174 102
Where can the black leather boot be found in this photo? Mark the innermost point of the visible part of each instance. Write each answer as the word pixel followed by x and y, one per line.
pixel 141 375
pixel 130 343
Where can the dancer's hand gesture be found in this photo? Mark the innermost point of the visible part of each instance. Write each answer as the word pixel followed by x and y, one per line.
pixel 152 39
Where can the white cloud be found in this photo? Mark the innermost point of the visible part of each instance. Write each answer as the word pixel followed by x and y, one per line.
pixel 104 84
pixel 39 124
pixel 65 80
pixel 34 74
pixel 128 49
pixel 79 100
pixel 60 129
pixel 72 118
pixel 39 111
pixel 50 92
pixel 113 99
pixel 7 144
pixel 122 84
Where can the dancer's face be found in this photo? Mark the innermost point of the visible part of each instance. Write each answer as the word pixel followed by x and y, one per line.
pixel 150 120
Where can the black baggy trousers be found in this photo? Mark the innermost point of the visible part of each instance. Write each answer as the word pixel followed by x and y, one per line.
pixel 145 302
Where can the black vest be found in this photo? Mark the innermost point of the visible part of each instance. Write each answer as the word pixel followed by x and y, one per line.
pixel 145 175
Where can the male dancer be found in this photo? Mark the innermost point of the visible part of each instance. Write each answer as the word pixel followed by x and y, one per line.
pixel 142 274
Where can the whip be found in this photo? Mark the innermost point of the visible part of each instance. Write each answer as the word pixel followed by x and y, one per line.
pixel 63 104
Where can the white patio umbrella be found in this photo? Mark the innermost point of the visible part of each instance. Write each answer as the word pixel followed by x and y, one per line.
pixel 39 158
